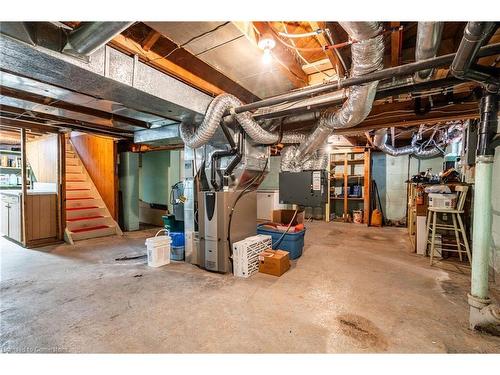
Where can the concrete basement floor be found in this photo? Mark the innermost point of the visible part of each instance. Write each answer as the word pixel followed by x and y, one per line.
pixel 355 289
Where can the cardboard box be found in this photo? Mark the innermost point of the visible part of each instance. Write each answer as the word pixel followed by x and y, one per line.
pixel 439 200
pixel 284 217
pixel 274 262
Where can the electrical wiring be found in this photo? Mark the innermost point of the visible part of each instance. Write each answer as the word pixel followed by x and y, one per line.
pixel 278 241
pixel 302 57
pixel 339 56
pixel 219 45
pixel 242 193
pixel 315 49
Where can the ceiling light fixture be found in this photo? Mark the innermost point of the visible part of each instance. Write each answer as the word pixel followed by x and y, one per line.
pixel 266 43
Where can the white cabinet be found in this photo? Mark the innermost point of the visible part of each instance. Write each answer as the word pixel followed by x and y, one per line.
pixel 267 202
pixel 4 217
pixel 11 216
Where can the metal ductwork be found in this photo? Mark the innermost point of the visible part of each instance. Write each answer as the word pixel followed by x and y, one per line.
pixel 214 117
pixel 262 136
pixel 380 141
pixel 427 45
pixel 425 151
pixel 463 65
pixel 367 57
pixel 318 161
pixel 89 36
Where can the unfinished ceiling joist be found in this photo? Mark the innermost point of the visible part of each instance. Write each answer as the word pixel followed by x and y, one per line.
pixel 286 58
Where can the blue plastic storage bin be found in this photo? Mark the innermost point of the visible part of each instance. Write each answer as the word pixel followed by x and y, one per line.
pixel 293 242
pixel 177 246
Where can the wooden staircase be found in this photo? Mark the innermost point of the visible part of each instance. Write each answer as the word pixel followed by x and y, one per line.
pixel 86 213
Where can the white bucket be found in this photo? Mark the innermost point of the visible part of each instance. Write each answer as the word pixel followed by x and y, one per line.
pixel 158 249
pixel 357 216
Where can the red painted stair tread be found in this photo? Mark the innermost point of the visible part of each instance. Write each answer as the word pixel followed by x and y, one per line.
pixel 85 218
pixel 90 229
pixel 80 208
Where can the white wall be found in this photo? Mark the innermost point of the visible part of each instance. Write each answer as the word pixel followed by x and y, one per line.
pixel 390 174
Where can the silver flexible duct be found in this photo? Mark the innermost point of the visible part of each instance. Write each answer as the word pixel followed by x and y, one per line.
pixel 427 45
pixel 367 56
pixel 208 127
pixel 318 161
pixel 262 136
pixel 213 117
pixel 380 141
pixel 429 153
pixel 287 156
pixel 453 134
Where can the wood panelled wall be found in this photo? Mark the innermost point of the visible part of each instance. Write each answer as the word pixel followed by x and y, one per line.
pixel 98 154
pixel 42 157
pixel 41 216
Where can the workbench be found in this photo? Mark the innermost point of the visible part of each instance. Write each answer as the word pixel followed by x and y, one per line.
pixel 417 213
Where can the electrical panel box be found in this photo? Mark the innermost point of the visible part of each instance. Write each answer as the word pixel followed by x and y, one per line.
pixel 307 188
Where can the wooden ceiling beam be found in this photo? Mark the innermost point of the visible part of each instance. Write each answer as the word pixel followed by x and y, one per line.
pixel 440 113
pixel 36 128
pixel 396 44
pixel 150 40
pixel 286 58
pixel 337 65
pixel 151 58
pixel 170 57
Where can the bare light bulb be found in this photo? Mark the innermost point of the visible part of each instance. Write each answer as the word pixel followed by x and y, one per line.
pixel 266 57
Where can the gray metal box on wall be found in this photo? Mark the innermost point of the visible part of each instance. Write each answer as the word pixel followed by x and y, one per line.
pixel 307 188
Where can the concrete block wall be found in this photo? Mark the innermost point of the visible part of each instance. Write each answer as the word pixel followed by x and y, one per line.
pixel 390 174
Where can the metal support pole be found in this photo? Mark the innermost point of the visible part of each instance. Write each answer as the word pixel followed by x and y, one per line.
pixel 483 314
pixel 481 239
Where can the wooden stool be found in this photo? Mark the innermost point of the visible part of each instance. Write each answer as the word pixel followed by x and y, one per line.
pixel 458 229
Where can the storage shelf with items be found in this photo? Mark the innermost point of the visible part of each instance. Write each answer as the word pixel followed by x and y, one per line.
pixel 10 170
pixel 349 185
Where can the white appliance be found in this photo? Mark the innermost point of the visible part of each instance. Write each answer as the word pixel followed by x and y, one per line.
pixel 267 202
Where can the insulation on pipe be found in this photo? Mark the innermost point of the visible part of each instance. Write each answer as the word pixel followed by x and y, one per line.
pixel 367 57
pixel 213 117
